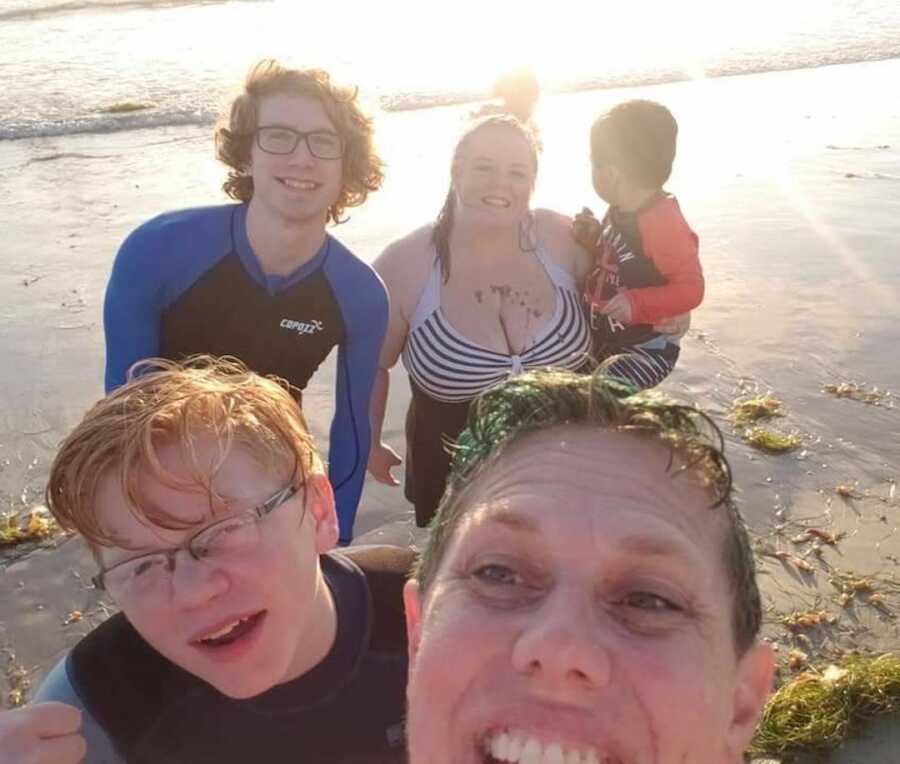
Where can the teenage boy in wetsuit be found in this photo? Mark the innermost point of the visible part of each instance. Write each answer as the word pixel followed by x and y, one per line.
pixel 241 636
pixel 261 280
pixel 647 275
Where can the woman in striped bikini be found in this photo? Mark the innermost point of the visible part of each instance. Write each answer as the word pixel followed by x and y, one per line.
pixel 488 290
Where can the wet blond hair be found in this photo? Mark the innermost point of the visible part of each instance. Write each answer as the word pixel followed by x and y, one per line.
pixel 164 403
pixel 363 169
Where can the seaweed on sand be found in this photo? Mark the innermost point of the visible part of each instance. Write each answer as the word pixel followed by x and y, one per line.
pixel 743 415
pixel 126 107
pixel 31 526
pixel 17 681
pixel 770 441
pixel 880 592
pixel 873 397
pixel 817 534
pixel 819 709
pixel 847 490
pixel 799 621
pixel 754 409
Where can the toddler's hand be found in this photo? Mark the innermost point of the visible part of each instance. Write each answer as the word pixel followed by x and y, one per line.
pixel 618 309
pixel 586 229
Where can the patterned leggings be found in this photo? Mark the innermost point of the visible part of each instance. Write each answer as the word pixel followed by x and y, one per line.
pixel 642 367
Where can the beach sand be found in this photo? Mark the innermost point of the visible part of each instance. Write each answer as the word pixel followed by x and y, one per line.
pixel 792 181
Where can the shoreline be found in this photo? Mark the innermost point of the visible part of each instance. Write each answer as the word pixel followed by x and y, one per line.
pixel 791 179
pixel 137 115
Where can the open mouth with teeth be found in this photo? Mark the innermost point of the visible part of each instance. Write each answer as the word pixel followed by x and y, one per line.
pixel 513 746
pixel 495 201
pixel 231 632
pixel 298 185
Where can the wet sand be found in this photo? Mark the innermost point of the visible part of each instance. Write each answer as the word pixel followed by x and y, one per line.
pixel 792 181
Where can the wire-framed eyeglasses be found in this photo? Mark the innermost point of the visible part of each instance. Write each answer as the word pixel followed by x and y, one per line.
pixel 322 144
pixel 229 538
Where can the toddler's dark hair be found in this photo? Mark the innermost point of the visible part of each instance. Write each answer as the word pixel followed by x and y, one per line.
pixel 638 137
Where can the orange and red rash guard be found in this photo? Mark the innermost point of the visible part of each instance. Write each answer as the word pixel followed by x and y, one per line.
pixel 651 256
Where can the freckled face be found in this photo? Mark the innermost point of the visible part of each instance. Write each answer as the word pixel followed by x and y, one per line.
pixel 494 177
pixel 582 610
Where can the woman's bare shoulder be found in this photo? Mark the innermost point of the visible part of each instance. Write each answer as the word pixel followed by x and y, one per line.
pixel 552 221
pixel 404 266
pixel 407 252
pixel 554 230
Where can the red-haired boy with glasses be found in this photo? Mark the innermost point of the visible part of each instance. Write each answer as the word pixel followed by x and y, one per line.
pixel 241 635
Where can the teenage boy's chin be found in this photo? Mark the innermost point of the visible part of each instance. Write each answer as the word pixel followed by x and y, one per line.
pixel 236 663
pixel 309 205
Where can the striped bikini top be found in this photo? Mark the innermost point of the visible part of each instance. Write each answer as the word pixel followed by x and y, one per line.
pixel 453 369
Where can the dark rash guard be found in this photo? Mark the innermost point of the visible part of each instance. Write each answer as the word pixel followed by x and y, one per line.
pixel 144 709
pixel 650 256
pixel 188 282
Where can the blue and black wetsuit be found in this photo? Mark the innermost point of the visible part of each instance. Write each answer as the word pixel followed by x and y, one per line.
pixel 188 282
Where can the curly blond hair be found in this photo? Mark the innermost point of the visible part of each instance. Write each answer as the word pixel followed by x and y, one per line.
pixel 363 169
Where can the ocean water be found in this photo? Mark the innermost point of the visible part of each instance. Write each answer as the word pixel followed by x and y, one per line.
pixel 64 63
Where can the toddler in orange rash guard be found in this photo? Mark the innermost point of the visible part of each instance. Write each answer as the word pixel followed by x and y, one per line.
pixel 647 276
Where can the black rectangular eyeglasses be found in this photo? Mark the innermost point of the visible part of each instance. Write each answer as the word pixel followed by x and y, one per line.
pixel 322 144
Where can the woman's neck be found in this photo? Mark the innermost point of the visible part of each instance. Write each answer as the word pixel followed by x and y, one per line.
pixel 280 246
pixel 485 243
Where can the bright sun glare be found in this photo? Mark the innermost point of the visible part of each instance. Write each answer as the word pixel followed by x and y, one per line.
pixel 465 44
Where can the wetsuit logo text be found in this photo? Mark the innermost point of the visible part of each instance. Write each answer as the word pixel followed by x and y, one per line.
pixel 302 327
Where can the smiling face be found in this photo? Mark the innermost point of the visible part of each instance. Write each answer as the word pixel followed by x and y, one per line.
pixel 494 176
pixel 582 614
pixel 242 624
pixel 296 187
